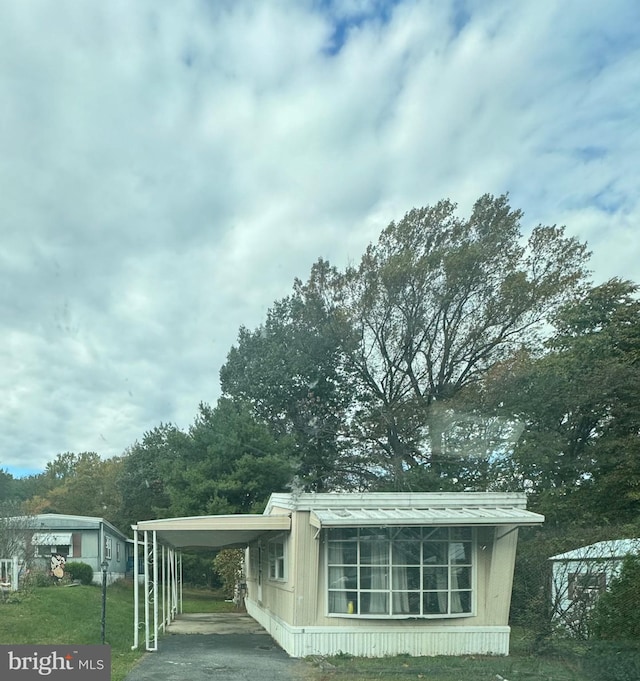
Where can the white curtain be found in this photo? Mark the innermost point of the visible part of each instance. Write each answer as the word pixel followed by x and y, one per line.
pixel 378 604
pixel 400 579
pixel 337 579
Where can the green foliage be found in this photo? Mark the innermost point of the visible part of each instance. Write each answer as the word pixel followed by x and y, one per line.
pixel 197 569
pixel 80 571
pixel 612 661
pixel 230 463
pixel 580 404
pixel 366 367
pixel 228 565
pixel 38 578
pixel 78 484
pixel 532 606
pixel 617 613
pixel 292 374
pixel 141 478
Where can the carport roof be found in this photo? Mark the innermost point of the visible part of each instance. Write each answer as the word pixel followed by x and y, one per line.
pixel 214 531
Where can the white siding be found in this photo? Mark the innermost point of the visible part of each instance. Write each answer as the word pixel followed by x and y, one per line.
pixel 380 641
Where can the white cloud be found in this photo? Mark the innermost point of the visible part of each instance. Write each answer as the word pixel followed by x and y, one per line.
pixel 167 171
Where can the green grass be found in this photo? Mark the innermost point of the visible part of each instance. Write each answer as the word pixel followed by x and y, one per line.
pixel 72 615
pixel 467 668
pixel 522 665
pixel 204 600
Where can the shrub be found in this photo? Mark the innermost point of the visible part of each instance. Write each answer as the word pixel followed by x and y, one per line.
pixel 611 661
pixel 37 578
pixel 80 571
pixel 228 565
pixel 616 616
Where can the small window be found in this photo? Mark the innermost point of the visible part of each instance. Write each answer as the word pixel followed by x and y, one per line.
pixel 118 551
pixel 586 586
pixel 108 543
pixel 276 560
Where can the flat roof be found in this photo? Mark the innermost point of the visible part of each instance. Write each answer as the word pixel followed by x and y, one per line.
pixel 214 531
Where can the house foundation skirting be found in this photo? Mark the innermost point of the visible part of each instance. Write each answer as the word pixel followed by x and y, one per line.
pixel 379 641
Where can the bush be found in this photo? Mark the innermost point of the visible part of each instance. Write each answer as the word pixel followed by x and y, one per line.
pixel 80 571
pixel 616 616
pixel 228 566
pixel 38 578
pixel 612 661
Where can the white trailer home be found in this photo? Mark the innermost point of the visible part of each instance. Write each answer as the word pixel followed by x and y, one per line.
pixel 369 574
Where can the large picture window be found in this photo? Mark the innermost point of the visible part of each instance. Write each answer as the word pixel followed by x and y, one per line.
pixel 408 571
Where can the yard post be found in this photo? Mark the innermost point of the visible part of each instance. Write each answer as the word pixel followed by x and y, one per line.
pixel 104 565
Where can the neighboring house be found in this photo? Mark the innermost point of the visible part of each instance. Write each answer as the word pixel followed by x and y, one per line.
pixel 80 538
pixel 369 574
pixel 581 575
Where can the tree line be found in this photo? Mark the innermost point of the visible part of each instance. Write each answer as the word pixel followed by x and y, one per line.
pixel 458 354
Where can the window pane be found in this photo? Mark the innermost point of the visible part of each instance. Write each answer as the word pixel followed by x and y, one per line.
pixel 343 553
pixel 374 533
pixel 406 553
pixel 460 552
pixel 408 533
pixel 461 601
pixel 343 578
pixel 461 578
pixel 338 601
pixel 435 578
pixel 435 603
pixel 406 578
pixel 373 603
pixel 343 533
pixel 406 603
pixel 461 533
pixel 435 553
pixel 374 553
pixel 374 578
pixel 334 553
pixel 436 533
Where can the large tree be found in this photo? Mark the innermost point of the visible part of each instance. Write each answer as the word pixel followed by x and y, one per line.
pixel 145 467
pixel 78 484
pixel 230 463
pixel 292 372
pixel 580 405
pixel 398 340
pixel 439 300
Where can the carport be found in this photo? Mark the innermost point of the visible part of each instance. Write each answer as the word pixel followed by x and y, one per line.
pixel 159 542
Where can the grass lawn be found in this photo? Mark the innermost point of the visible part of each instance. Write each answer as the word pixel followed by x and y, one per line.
pixel 72 615
pixel 520 665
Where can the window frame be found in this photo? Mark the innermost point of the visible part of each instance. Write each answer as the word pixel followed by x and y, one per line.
pixel 586 585
pixel 277 560
pixel 394 538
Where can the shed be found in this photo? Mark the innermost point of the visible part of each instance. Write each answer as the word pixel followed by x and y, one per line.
pixel 579 576
pixel 368 574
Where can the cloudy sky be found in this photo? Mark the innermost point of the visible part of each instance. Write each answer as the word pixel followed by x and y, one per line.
pixel 167 169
